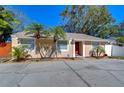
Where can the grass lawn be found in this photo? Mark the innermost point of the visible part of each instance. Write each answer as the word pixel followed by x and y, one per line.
pixel 117 57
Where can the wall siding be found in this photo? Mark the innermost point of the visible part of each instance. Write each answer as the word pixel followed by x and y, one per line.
pixel 88 48
pixel 69 53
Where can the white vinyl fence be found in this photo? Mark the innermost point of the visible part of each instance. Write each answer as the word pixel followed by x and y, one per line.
pixel 108 50
pixel 114 50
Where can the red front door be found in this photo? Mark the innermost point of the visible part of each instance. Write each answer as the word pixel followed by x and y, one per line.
pixel 77 48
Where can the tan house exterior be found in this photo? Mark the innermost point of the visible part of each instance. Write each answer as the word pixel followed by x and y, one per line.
pixel 75 45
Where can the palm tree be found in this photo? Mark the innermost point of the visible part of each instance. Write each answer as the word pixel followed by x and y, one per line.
pixel 98 51
pixel 20 53
pixel 37 29
pixel 58 34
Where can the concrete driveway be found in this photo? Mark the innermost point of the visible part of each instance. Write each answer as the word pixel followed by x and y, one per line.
pixel 77 73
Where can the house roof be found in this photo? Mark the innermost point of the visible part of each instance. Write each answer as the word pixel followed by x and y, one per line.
pixel 84 37
pixel 22 35
pixel 74 36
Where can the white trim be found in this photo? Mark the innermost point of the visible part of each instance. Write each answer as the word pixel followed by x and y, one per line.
pixel 91 40
pixel 63 50
pixel 83 48
pixel 73 50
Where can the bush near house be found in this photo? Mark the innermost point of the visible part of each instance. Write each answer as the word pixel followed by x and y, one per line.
pixel 20 53
pixel 98 52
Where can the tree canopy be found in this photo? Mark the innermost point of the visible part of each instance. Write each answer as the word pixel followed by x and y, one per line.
pixel 7 22
pixel 35 28
pixel 121 29
pixel 120 35
pixel 120 39
pixel 91 20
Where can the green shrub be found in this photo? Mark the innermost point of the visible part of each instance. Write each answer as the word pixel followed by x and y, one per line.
pixel 19 53
pixel 98 51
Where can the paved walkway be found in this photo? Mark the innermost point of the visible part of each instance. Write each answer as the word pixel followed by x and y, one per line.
pixel 80 73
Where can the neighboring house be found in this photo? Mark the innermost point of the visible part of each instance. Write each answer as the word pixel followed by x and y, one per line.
pixel 75 45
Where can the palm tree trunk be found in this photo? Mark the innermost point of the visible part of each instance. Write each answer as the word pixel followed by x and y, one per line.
pixel 53 49
pixel 56 49
pixel 38 43
pixel 97 53
pixel 38 39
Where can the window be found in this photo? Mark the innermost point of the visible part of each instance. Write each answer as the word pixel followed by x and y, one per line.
pixel 27 42
pixel 63 45
pixel 95 44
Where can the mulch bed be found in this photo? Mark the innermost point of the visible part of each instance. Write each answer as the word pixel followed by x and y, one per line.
pixel 9 60
pixel 4 60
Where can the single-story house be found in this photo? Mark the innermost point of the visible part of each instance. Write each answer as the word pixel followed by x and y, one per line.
pixel 75 45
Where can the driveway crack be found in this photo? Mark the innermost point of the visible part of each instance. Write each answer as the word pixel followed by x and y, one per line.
pixel 78 75
pixel 115 77
pixel 18 85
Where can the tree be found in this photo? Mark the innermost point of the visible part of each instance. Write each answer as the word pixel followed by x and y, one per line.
pixel 98 51
pixel 7 22
pixel 91 20
pixel 121 29
pixel 42 35
pixel 24 20
pixel 37 29
pixel 120 39
pixel 58 33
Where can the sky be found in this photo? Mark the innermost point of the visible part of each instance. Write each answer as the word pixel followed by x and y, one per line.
pixel 49 14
